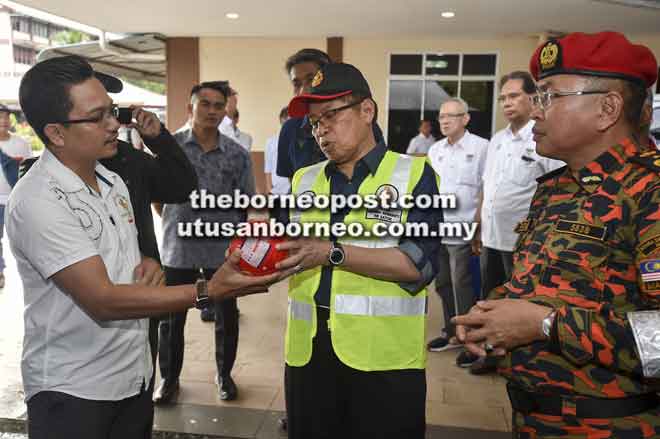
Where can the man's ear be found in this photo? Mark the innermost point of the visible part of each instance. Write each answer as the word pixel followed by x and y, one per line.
pixel 55 134
pixel 368 109
pixel 466 119
pixel 610 111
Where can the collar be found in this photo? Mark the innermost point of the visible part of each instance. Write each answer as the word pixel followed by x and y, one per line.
pixel 592 175
pixel 69 180
pixel 191 140
pixel 460 143
pixel 524 133
pixel 372 160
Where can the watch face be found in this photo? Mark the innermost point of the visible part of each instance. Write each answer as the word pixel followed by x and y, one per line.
pixel 336 256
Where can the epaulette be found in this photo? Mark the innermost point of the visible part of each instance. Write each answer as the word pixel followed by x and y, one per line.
pixel 551 174
pixel 648 159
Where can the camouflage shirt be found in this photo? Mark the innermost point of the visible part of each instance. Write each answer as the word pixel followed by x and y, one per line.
pixel 580 251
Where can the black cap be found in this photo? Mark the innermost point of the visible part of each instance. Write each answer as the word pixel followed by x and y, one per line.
pixel 332 81
pixel 4 109
pixel 111 83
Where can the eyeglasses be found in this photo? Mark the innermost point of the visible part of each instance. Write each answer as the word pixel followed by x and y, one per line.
pixel 111 111
pixel 328 116
pixel 450 116
pixel 543 99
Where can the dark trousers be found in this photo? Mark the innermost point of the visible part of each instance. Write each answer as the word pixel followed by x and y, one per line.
pixel 326 399
pixel 496 268
pixel 171 343
pixel 55 415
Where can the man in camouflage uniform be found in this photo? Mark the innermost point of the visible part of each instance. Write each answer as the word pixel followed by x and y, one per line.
pixel 575 325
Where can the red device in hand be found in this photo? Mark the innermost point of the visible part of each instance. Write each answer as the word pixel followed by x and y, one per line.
pixel 258 255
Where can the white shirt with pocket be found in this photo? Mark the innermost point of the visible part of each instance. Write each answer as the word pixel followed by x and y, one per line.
pixel 55 220
pixel 460 167
pixel 509 183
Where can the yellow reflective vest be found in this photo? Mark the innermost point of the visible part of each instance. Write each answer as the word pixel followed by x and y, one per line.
pixel 375 324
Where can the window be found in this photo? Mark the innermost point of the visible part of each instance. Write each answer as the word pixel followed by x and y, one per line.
pixel 24 55
pixel 40 29
pixel 419 83
pixel 20 23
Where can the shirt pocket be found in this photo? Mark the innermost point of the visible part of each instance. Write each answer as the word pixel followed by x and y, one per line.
pixel 575 269
pixel 524 170
pixel 469 172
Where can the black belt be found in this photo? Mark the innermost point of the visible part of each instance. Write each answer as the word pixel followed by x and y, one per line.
pixel 528 402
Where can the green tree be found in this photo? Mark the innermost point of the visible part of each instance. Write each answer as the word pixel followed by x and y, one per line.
pixel 70 37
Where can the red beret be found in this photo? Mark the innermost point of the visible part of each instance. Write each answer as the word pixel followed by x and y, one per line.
pixel 605 54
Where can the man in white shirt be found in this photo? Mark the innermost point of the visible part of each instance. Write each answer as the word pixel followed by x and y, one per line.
pixel 16 148
pixel 509 183
pixel 274 183
pixel 459 160
pixel 86 359
pixel 229 124
pixel 421 143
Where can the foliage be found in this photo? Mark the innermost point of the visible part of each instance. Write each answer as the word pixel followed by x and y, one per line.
pixel 24 130
pixel 69 37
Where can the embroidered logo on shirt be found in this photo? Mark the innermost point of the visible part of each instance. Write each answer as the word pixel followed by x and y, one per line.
pixel 125 207
pixel 390 195
pixel 581 229
pixel 592 179
pixel 649 246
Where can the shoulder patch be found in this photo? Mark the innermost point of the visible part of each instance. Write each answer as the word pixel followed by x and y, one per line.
pixel 551 174
pixel 649 160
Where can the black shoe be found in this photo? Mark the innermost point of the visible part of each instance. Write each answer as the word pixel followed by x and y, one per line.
pixel 441 344
pixel 282 422
pixel 166 392
pixel 227 389
pixel 466 359
pixel 207 315
pixel 484 366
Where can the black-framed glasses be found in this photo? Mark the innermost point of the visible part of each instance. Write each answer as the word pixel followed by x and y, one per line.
pixel 329 115
pixel 543 98
pixel 111 111
pixel 450 116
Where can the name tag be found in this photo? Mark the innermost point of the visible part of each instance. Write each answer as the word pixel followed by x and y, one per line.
pixel 581 229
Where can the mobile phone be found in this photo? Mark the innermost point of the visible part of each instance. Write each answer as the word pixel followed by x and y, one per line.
pixel 125 115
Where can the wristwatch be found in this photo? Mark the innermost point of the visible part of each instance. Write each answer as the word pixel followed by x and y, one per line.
pixel 548 321
pixel 336 256
pixel 202 300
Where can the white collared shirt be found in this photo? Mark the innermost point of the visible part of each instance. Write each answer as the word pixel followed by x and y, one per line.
pixel 281 185
pixel 420 144
pixel 55 220
pixel 509 183
pixel 460 167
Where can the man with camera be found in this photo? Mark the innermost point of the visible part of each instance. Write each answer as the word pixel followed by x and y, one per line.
pixel 86 360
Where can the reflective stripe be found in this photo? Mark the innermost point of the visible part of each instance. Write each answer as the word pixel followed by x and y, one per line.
pixel 300 310
pixel 379 306
pixel 401 173
pixel 309 177
pixel 386 242
pixel 305 184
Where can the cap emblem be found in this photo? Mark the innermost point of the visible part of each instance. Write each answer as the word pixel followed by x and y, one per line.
pixel 549 55
pixel 318 79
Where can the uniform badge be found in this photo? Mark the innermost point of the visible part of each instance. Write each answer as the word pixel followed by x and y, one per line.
pixel 388 195
pixel 592 179
pixel 125 207
pixel 649 246
pixel 318 79
pixel 550 56
pixel 581 229
pixel 650 274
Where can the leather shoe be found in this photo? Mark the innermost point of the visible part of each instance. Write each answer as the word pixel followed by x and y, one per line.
pixel 227 388
pixel 166 392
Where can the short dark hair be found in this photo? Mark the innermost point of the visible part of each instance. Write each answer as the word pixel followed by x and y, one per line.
pixel 528 84
pixel 423 121
pixel 316 56
pixel 44 91
pixel 220 86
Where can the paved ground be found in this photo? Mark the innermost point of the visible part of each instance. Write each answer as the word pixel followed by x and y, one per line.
pixel 456 400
